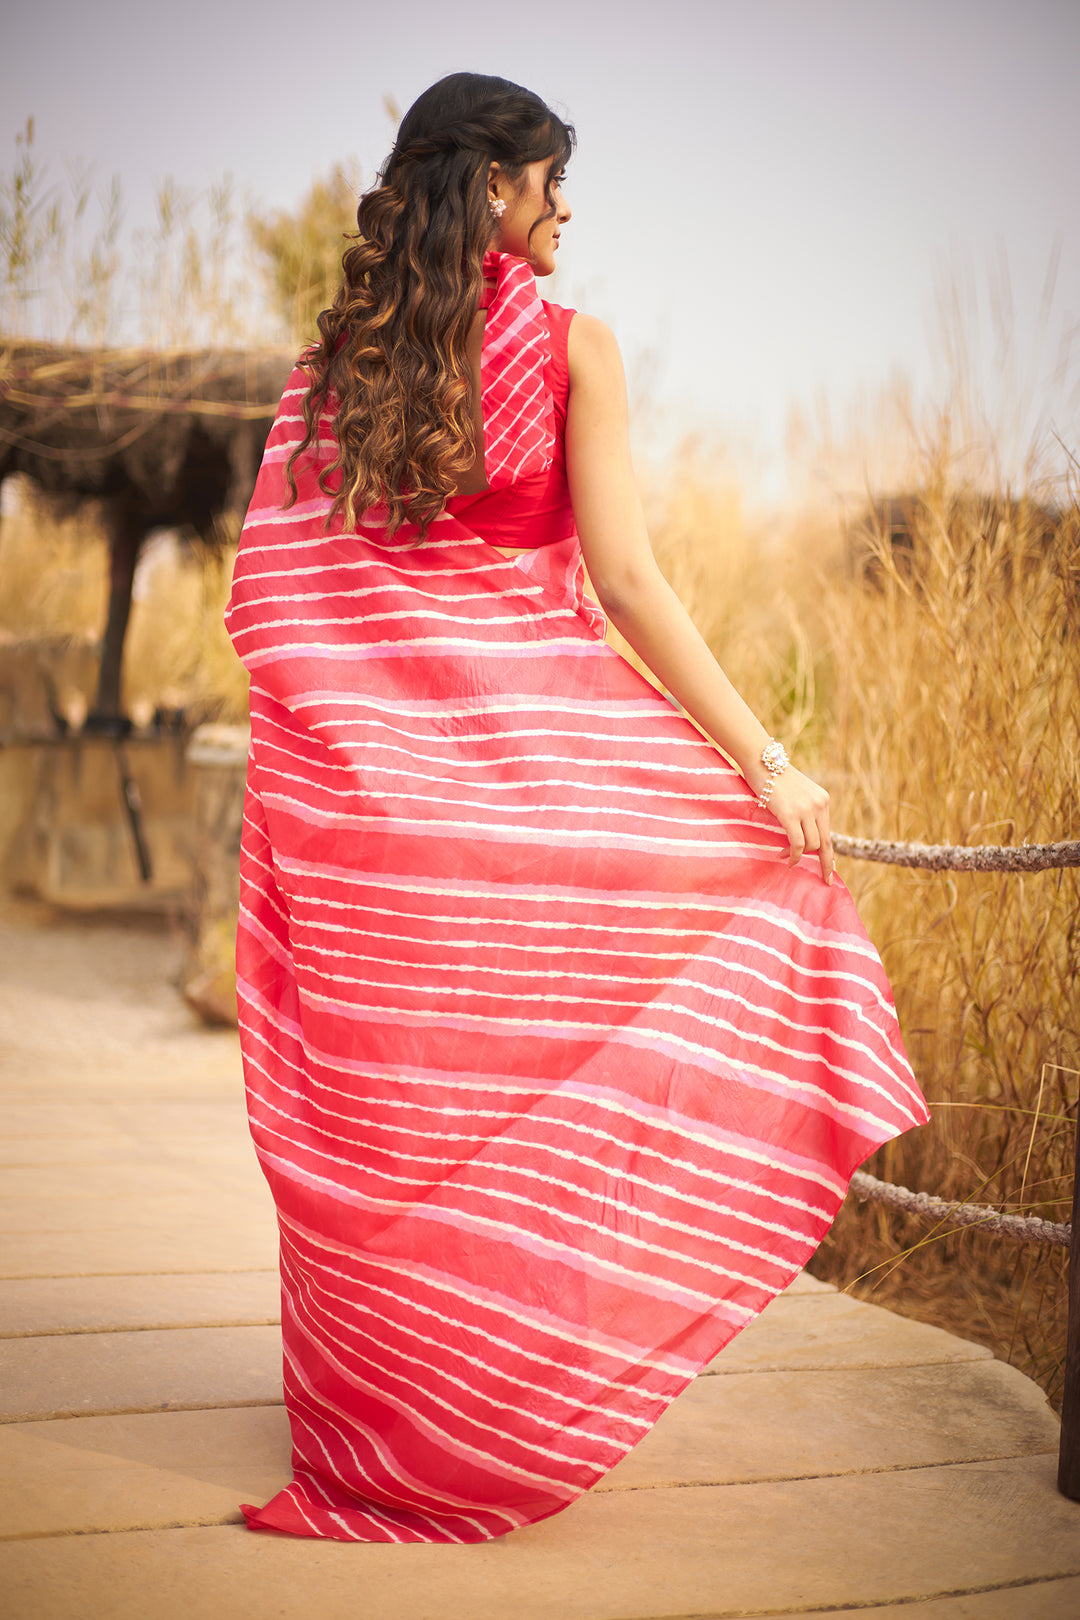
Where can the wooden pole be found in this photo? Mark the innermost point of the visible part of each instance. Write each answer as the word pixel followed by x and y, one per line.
pixel 129 793
pixel 1068 1480
pixel 125 540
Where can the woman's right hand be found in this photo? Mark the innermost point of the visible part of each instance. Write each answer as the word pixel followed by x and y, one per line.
pixel 801 807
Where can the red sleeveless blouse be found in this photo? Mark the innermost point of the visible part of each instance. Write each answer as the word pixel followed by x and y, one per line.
pixel 536 510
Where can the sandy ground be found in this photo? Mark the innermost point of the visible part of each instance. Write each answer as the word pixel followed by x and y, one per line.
pixel 93 995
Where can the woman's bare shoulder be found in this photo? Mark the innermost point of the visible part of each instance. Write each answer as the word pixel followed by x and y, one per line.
pixel 592 350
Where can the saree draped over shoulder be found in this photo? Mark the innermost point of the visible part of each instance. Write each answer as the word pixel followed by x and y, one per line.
pixel 557 1071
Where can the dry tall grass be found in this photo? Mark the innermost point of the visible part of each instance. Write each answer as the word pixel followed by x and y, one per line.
pixel 932 685
pixel 934 689
pixel 955 704
pixel 54 582
pixel 179 654
pixel 54 566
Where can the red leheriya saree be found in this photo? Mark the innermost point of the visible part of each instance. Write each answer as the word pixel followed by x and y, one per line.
pixel 557 1071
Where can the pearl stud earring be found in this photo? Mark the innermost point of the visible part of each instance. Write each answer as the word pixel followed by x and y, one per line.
pixel 498 208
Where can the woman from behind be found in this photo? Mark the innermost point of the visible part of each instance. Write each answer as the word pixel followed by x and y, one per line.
pixel 560 1043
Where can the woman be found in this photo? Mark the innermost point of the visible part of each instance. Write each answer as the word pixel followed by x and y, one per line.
pixel 560 1044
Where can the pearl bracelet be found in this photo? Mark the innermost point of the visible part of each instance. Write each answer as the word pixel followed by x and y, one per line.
pixel 775 760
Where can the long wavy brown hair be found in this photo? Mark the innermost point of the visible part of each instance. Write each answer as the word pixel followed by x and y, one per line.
pixel 392 346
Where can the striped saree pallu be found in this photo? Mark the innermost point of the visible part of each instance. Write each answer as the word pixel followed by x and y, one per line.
pixel 557 1071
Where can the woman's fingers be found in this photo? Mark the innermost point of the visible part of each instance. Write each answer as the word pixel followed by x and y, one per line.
pixel 820 840
pixel 825 851
pixel 805 820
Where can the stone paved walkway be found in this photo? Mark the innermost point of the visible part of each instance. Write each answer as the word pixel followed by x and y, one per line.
pixel 836 1457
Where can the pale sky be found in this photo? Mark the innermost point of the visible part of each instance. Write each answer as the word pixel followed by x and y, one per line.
pixel 767 194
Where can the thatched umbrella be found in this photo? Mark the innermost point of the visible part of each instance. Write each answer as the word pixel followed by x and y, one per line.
pixel 162 439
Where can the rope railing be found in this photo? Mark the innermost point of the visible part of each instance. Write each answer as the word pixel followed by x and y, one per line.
pixel 1027 1228
pixel 962 857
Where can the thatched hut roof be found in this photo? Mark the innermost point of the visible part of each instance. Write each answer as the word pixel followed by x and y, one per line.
pixel 174 434
pixel 163 438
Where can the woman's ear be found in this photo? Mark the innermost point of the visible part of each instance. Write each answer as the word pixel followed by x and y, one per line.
pixel 494 170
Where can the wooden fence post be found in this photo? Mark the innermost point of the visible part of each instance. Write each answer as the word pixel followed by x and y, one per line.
pixel 1068 1480
pixel 125 538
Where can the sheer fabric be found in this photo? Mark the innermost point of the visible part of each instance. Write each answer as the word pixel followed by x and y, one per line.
pixel 557 1071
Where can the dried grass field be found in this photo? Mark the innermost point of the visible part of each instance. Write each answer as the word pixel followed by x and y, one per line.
pixel 929 678
pixel 922 662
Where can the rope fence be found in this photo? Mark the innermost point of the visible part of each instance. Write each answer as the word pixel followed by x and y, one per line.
pixel 962 857
pixel 1026 1228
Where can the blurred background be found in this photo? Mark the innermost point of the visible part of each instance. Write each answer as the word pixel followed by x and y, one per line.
pixel 838 243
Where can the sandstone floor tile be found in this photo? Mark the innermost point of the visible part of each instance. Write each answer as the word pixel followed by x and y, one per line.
pixel 1043 1600
pixel 196 1443
pixel 155 1470
pixel 69 1499
pixel 43 1120
pixel 165 1123
pixel 49 1054
pixel 710 1553
pixel 167 1074
pixel 229 1147
pixel 191 1247
pixel 758 1426
pixel 36 1305
pixel 137 1179
pixel 834 1331
pixel 216 1201
pixel 92 1473
pixel 62 1148
pixel 130 957
pixel 81 1004
pixel 147 1371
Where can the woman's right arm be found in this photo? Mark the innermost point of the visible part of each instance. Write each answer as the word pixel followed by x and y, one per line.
pixel 639 601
